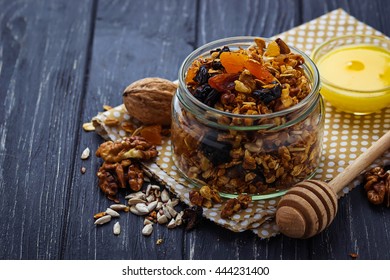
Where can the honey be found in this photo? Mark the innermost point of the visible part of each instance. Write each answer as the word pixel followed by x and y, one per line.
pixel 356 78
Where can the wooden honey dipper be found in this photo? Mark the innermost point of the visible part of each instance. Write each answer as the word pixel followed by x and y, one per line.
pixel 310 206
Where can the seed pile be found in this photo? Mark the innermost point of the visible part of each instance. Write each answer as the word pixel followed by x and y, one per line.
pixel 154 204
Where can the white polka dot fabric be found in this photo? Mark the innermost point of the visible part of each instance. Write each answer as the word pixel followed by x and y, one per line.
pixel 346 136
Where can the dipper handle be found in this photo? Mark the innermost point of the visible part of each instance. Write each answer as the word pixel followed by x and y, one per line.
pixel 365 159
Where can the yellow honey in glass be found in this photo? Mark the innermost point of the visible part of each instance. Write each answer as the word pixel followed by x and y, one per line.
pixel 355 77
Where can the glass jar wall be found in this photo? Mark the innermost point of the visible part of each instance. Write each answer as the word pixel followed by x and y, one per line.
pixel 263 154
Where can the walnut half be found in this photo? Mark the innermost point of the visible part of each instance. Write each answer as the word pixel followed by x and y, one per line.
pixel 377 185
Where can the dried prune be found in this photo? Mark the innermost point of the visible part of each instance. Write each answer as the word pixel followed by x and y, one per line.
pixel 202 75
pixel 216 151
pixel 267 95
pixel 216 64
pixel 206 95
pixel 223 82
pixel 192 217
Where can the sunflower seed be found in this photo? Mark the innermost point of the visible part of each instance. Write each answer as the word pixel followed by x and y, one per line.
pixel 117 228
pixel 164 196
pixel 147 230
pixel 146 179
pixel 147 222
pixel 85 153
pixel 159 205
pixel 112 213
pixel 139 195
pixel 135 211
pixel 171 224
pixel 150 198
pixel 142 208
pixel 152 205
pixel 135 200
pixel 166 212
pixel 162 219
pixel 103 220
pixel 155 187
pixel 173 202
pixel 88 126
pixel 118 207
pixel 171 211
pixel 148 189
pixel 179 218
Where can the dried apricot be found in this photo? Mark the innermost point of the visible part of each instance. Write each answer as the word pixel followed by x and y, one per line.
pixel 259 71
pixel 152 134
pixel 191 73
pixel 233 62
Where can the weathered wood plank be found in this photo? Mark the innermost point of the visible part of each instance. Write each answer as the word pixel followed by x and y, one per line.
pixel 220 19
pixel 42 59
pixel 132 40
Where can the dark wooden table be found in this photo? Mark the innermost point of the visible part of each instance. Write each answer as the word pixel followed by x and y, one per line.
pixel 60 61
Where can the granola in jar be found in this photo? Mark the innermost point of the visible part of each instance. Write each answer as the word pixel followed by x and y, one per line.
pixel 247 117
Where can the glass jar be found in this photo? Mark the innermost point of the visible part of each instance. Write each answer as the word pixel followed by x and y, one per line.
pixel 262 155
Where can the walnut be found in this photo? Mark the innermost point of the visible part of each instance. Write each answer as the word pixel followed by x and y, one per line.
pixel 136 177
pixel 210 194
pixel 377 185
pixel 230 207
pixel 149 100
pixel 127 148
pixel 121 168
pixel 196 198
pixel 234 205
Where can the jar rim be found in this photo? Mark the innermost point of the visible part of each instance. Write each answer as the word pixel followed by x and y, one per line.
pixel 239 41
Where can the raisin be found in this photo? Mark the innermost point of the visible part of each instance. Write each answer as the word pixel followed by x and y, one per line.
pixel 207 95
pixel 216 151
pixel 267 95
pixel 224 49
pixel 192 217
pixel 216 65
pixel 202 75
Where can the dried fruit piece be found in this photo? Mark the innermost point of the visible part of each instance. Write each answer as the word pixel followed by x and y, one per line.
pixel 202 75
pixel 223 82
pixel 233 62
pixel 206 95
pixel 152 134
pixel 259 71
pixel 267 95
pixel 272 49
pixel 192 217
pixel 215 151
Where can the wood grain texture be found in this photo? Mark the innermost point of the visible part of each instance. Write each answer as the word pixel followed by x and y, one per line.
pixel 42 59
pixel 132 40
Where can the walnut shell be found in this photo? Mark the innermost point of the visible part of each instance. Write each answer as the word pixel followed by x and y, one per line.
pixel 149 100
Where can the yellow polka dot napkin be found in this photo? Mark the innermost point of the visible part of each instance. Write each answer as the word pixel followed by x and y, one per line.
pixel 346 136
